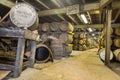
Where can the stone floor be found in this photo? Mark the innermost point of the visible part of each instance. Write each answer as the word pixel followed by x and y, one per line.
pixel 84 65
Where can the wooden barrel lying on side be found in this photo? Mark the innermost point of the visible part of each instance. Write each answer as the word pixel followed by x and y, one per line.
pixel 80 48
pixel 75 47
pixel 66 38
pixel 82 35
pixel 102 54
pixel 81 41
pixel 76 36
pixel 117 31
pixel 43 53
pixel 104 31
pixel 109 42
pixel 117 54
pixel 65 26
pixel 57 48
pixel 75 41
pixel 45 27
pixel 117 42
pixel 54 26
pixel 44 37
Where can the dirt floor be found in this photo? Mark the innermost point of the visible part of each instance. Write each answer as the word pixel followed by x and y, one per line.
pixel 80 66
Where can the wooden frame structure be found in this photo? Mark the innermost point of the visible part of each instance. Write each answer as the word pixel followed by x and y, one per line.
pixel 21 35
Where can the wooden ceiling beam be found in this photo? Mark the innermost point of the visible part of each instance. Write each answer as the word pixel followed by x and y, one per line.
pixel 104 3
pixel 7 3
pixel 97 26
pixel 89 26
pixel 86 7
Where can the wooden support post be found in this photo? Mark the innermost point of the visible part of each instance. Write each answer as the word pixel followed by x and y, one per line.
pixel 32 55
pixel 19 57
pixel 108 26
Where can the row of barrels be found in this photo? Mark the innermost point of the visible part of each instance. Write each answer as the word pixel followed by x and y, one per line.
pixel 79 36
pixel 114 55
pixel 114 43
pixel 64 37
pixel 79 41
pixel 59 35
pixel 56 26
pixel 114 39
pixel 114 31
pixel 80 47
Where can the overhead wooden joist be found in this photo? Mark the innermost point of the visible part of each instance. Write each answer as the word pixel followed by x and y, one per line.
pixel 7 3
pixel 90 26
pixel 86 7
pixel 94 26
pixel 116 4
pixel 104 3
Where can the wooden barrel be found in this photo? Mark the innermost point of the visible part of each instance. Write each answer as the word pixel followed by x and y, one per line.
pixel 102 54
pixel 84 47
pixel 65 26
pixel 81 41
pixel 82 35
pixel 80 48
pixel 66 38
pixel 75 41
pixel 57 48
pixel 44 37
pixel 117 31
pixel 117 42
pixel 54 26
pixel 104 42
pixel 104 31
pixel 69 48
pixel 43 53
pixel 45 27
pixel 117 54
pixel 76 36
pixel 75 47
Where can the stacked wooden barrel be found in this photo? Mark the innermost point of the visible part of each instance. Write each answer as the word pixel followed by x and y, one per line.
pixel 79 41
pixel 62 33
pixel 114 41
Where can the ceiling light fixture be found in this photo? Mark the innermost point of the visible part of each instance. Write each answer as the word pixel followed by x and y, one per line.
pixel 84 18
pixel 90 30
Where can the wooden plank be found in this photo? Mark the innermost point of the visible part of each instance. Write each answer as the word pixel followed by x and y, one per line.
pixel 91 6
pixel 3 74
pixel 86 7
pixel 5 32
pixel 104 3
pixel 32 55
pixel 19 57
pixel 108 26
pixel 30 35
pixel 7 67
pixel 52 12
pixel 94 26
pixel 90 26
pixel 7 3
pixel 116 4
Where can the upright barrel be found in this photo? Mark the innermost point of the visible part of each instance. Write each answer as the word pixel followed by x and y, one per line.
pixel 57 48
pixel 66 38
